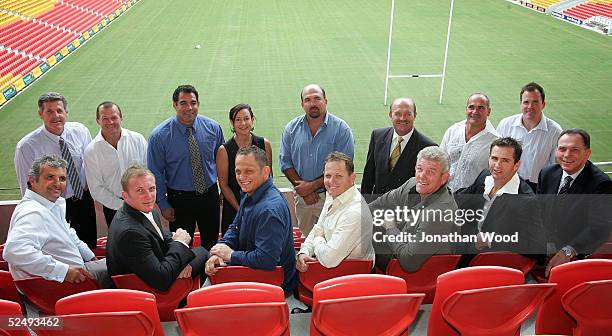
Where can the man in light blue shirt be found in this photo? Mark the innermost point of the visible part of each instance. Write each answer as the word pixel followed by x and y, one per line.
pixel 306 142
pixel 181 154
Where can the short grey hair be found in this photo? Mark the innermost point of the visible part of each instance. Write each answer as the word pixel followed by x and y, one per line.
pixel 51 97
pixel 435 153
pixel 260 155
pixel 53 161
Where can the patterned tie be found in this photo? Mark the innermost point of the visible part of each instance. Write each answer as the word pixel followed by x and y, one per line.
pixel 566 185
pixel 395 155
pixel 199 181
pixel 73 173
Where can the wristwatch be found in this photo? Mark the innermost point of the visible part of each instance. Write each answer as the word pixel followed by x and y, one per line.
pixel 569 251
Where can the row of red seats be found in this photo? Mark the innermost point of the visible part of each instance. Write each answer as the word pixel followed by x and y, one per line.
pixel 587 10
pixel 104 7
pixel 15 64
pixel 27 38
pixel 71 18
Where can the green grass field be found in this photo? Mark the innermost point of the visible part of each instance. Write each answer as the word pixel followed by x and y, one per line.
pixel 264 52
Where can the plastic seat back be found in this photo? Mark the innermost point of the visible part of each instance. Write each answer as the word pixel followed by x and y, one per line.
pixel 112 300
pixel 464 279
pixel 166 301
pixel 603 252
pixel 589 304
pixel 45 293
pixel 317 273
pixel 8 291
pixel 551 318
pixel 13 309
pixel 504 259
pixel 425 278
pixel 133 323
pixel 246 274
pixel 378 305
pixel 496 311
pixel 244 307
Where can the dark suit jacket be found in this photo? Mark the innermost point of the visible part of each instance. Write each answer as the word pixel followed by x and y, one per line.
pixel 508 214
pixel 584 221
pixel 377 179
pixel 134 246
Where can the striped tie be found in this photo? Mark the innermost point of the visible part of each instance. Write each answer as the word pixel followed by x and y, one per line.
pixel 73 173
pixel 197 170
pixel 567 182
pixel 395 155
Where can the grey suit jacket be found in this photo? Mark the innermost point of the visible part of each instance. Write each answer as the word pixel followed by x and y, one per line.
pixel 412 254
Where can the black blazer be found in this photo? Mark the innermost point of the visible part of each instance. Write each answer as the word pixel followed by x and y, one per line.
pixel 134 246
pixel 508 214
pixel 584 221
pixel 377 179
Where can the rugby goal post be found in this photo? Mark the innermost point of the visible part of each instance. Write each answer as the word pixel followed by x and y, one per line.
pixel 417 75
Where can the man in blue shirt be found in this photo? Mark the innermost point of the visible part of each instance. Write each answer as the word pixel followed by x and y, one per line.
pixel 306 142
pixel 261 236
pixel 181 155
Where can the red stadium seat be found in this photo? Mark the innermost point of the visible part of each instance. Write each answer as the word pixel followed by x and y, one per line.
pixel 45 293
pixel 242 273
pixel 133 323
pixel 8 291
pixel 504 259
pixel 166 301
pixel 589 304
pixel 464 279
pixel 603 252
pixel 363 304
pixel 112 300
pixel 551 318
pixel 244 308
pixel 12 309
pixel 496 311
pixel 424 279
pixel 317 273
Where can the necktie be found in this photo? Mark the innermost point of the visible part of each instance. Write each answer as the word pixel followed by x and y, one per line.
pixel 395 155
pixel 73 173
pixel 566 185
pixel 197 170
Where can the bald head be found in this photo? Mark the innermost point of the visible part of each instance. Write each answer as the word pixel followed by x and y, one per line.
pixel 310 88
pixel 477 111
pixel 402 114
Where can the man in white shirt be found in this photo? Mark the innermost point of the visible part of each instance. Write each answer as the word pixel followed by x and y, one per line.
pixel 40 242
pixel 344 229
pixel 108 155
pixel 467 142
pixel 537 133
pixel 68 140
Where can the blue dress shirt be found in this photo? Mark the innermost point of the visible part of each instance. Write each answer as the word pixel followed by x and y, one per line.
pixel 305 153
pixel 261 234
pixel 168 155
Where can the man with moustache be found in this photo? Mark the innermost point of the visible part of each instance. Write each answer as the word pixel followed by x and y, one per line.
pixel 40 243
pixel 306 142
pixel 261 236
pixel 467 142
pixel 576 194
pixel 537 133
pixel 138 243
pixel 182 156
pixel 68 140
pixel 392 151
pixel 108 155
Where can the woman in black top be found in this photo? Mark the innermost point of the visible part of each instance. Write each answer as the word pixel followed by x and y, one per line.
pixel 242 119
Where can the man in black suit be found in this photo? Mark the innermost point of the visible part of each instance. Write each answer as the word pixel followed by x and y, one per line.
pixel 578 217
pixel 506 203
pixel 393 150
pixel 137 243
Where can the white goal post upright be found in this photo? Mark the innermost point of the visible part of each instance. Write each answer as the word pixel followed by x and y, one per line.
pixel 442 75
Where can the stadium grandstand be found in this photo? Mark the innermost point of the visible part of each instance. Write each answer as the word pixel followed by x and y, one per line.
pixel 136 52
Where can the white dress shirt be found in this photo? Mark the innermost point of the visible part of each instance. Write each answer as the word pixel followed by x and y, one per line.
pixel 344 232
pixel 40 142
pixel 104 165
pixel 565 174
pixel 539 144
pixel 40 242
pixel 405 140
pixel 467 159
pixel 511 187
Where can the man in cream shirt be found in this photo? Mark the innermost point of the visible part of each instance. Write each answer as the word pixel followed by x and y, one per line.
pixel 344 229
